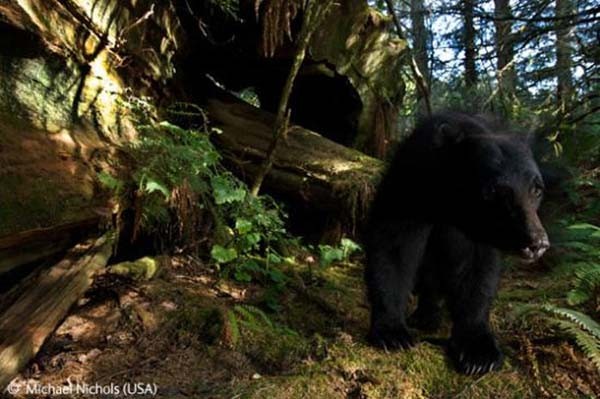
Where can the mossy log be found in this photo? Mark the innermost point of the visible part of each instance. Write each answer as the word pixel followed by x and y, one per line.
pixel 45 301
pixel 306 167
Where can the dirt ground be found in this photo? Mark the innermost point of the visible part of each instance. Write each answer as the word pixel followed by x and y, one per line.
pixel 188 334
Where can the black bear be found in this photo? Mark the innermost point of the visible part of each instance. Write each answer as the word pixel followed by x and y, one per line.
pixel 459 189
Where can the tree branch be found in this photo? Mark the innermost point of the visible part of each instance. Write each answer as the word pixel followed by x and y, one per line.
pixel 314 13
pixel 414 67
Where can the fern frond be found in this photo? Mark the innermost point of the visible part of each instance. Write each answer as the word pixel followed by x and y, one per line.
pixel 589 344
pixel 234 329
pixel 587 285
pixel 582 320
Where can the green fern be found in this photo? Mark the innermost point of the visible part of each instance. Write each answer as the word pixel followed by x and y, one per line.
pixel 587 284
pixel 234 328
pixel 584 330
pixel 253 316
pixel 584 321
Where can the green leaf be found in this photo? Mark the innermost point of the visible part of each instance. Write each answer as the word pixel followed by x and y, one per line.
pixel 242 275
pixel 329 254
pixel 223 255
pixel 110 182
pixel 349 247
pixel 152 186
pixel 248 242
pixel 277 276
pixel 225 191
pixel 243 226
pixel 273 258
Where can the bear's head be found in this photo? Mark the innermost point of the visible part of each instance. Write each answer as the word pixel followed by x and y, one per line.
pixel 500 191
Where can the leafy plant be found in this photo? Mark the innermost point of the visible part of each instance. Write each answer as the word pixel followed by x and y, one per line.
pixel 176 178
pixel 341 253
pixel 579 248
pixel 580 244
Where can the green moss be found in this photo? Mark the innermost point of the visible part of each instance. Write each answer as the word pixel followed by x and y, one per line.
pixel 141 269
pixel 191 323
pixel 270 344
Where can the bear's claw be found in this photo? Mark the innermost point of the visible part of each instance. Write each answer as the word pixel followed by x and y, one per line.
pixel 391 338
pixel 474 356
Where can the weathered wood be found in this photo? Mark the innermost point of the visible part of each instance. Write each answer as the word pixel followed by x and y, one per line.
pixel 37 244
pixel 307 166
pixel 44 303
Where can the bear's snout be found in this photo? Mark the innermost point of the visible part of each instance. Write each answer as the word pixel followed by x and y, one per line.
pixel 539 245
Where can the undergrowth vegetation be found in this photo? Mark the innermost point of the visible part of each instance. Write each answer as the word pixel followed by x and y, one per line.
pixel 574 315
pixel 183 195
pixel 187 201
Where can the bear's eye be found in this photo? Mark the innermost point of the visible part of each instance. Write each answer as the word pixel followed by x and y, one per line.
pixel 537 191
pixel 537 188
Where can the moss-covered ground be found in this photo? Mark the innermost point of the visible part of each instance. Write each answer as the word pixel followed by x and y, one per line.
pixel 195 335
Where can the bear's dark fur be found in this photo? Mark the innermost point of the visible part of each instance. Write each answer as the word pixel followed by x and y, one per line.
pixel 459 188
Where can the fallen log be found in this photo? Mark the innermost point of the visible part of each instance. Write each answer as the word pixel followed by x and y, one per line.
pixel 26 324
pixel 307 167
pixel 33 245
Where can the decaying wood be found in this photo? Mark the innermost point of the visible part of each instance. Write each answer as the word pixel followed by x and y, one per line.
pixel 307 166
pixel 33 245
pixel 44 303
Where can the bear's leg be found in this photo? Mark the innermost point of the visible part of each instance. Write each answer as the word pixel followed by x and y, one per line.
pixel 428 315
pixel 393 257
pixel 471 287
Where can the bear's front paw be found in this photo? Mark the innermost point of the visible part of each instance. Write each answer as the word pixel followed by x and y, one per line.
pixel 475 354
pixel 390 338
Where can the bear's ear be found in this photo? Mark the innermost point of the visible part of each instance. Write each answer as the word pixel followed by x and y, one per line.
pixel 448 133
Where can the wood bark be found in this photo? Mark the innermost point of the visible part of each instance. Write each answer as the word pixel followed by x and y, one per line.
pixel 313 16
pixel 34 245
pixel 26 324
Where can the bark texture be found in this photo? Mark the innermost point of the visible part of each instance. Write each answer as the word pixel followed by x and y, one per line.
pixel 46 302
pixel 306 166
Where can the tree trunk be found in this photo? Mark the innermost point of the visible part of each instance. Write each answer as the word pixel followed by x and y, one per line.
pixel 469 43
pixel 504 49
pixel 420 40
pixel 564 42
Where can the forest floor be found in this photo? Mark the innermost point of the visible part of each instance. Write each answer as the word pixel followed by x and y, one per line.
pixel 194 335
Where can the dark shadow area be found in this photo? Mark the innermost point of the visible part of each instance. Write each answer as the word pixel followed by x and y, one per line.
pixel 18 43
pixel 322 100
